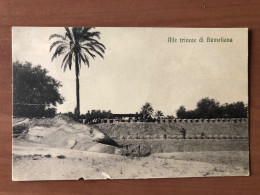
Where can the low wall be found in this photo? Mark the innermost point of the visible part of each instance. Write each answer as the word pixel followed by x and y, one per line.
pixel 226 129
pixel 178 121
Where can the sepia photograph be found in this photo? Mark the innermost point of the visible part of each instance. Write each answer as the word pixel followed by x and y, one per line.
pixel 129 103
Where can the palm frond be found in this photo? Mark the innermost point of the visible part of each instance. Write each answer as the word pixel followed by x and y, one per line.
pixel 94 42
pixel 59 50
pixel 92 34
pixel 56 43
pixel 85 34
pixel 57 36
pixel 96 51
pixel 100 48
pixel 89 35
pixel 65 66
pixel 65 59
pixel 77 33
pixel 87 50
pixel 68 62
pixel 85 30
pixel 68 34
pixel 84 58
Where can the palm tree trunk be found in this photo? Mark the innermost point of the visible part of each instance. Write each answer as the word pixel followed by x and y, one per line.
pixel 77 86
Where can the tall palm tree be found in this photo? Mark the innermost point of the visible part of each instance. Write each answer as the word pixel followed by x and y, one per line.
pixel 76 46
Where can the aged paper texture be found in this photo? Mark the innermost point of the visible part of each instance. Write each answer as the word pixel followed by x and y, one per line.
pixel 129 103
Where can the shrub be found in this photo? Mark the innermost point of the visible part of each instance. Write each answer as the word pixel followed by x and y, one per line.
pixel 61 157
pixel 19 129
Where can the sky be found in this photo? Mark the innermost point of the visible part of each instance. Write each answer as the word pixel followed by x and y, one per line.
pixel 140 65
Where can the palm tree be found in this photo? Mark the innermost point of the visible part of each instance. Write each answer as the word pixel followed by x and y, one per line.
pixel 158 114
pixel 76 46
pixel 147 110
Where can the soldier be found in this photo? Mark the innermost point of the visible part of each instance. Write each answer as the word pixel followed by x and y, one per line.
pixel 183 131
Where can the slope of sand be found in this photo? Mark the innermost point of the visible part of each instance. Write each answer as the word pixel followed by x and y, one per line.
pixel 63 132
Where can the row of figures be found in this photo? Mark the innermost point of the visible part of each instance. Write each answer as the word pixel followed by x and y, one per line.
pixel 183 132
pixel 131 120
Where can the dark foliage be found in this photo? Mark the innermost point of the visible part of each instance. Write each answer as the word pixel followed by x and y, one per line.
pixel 210 108
pixel 34 91
pixel 147 111
pixel 169 117
pixel 98 114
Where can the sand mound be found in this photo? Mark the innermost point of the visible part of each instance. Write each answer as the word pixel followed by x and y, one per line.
pixel 63 132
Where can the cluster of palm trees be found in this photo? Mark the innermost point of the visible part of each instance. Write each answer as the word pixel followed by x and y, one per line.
pixel 147 112
pixel 77 45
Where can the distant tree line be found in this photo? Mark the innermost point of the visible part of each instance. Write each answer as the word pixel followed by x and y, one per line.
pixel 146 114
pixel 210 108
pixel 94 114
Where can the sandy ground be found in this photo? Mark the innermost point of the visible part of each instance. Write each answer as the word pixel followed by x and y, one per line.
pixel 39 162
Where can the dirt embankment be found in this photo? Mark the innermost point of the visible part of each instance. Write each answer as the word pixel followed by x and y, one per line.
pixel 137 139
pixel 63 132
pixel 173 130
pixel 146 138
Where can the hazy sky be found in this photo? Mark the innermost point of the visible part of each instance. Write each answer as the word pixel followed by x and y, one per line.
pixel 141 66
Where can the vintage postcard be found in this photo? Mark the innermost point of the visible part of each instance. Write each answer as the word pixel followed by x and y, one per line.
pixel 129 103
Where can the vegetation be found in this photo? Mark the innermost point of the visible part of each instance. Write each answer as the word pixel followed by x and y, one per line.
pixel 91 115
pixel 98 114
pixel 206 108
pixel 147 111
pixel 35 94
pixel 210 108
pixel 158 114
pixel 76 46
